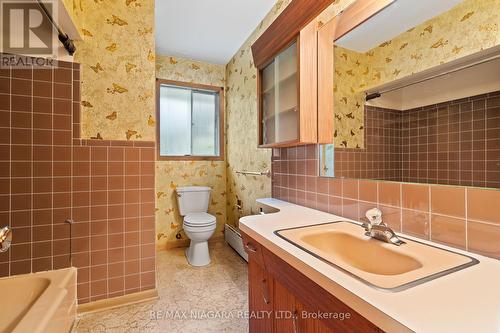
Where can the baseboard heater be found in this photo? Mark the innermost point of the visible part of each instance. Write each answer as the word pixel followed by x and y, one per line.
pixel 233 238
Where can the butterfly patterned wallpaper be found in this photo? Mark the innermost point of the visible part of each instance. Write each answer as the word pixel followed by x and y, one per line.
pixel 171 174
pixel 186 70
pixel 469 27
pixel 241 119
pixel 118 68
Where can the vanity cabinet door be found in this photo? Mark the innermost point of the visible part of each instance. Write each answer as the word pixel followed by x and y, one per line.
pixel 285 312
pixel 260 301
pixel 304 322
pixel 323 328
pixel 279 98
pixel 312 298
pixel 292 316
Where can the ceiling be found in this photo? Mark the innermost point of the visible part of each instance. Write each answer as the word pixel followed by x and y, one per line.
pixel 206 30
pixel 392 21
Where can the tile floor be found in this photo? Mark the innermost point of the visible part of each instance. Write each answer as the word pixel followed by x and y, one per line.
pixel 218 291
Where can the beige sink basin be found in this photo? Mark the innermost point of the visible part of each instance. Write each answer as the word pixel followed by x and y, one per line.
pixel 379 264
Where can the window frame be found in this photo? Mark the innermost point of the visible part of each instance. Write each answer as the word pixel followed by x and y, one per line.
pixel 220 91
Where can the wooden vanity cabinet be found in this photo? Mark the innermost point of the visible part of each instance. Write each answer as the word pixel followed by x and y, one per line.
pixel 284 300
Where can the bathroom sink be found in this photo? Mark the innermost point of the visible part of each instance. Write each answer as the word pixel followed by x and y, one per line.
pixel 364 254
pixel 376 263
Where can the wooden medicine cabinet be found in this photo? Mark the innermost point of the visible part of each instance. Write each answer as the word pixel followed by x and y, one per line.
pixel 294 60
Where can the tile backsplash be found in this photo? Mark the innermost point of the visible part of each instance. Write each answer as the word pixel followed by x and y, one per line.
pixel 453 143
pixel 462 217
pixel 48 175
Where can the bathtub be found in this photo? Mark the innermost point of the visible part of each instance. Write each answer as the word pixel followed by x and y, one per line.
pixel 39 302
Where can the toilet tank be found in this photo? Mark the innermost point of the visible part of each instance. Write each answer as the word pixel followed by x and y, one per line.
pixel 193 199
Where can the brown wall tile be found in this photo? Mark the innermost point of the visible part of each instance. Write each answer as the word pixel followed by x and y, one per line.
pixel 449 231
pixel 391 216
pixel 483 239
pixel 415 223
pixel 415 196
pixel 350 188
pixel 350 209
pixel 480 203
pixel 368 190
pixel 389 193
pixel 448 200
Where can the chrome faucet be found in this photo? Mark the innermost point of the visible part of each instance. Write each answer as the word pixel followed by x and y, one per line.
pixel 376 228
pixel 5 238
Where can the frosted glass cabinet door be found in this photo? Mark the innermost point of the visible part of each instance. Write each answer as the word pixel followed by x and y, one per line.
pixel 279 95
pixel 287 95
pixel 268 104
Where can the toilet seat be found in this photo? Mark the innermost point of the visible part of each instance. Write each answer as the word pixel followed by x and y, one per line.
pixel 199 230
pixel 195 220
pixel 198 225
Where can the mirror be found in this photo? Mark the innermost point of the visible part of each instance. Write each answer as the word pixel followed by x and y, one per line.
pixel 417 96
pixel 326 160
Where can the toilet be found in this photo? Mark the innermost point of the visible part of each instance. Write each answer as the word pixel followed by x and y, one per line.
pixel 198 225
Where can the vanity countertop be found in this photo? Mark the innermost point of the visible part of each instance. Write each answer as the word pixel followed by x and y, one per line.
pixel 464 301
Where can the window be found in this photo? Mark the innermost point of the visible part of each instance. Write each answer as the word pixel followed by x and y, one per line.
pixel 190 121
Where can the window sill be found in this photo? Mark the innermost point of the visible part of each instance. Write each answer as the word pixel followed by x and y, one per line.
pixel 190 158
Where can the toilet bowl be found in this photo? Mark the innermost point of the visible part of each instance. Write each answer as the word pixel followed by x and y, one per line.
pixel 198 225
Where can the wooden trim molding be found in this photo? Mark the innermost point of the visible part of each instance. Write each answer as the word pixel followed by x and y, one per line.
pixel 308 83
pixel 111 303
pixel 357 13
pixel 326 73
pixel 222 102
pixel 354 15
pixel 285 28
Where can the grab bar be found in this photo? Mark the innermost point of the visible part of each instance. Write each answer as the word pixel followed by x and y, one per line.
pixel 255 173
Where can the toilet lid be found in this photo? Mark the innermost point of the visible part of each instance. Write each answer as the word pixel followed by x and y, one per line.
pixel 199 219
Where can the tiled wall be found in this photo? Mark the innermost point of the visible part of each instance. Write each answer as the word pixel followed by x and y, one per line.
pixel 113 209
pixel 49 175
pixel 381 157
pixel 458 216
pixel 35 166
pixel 454 143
